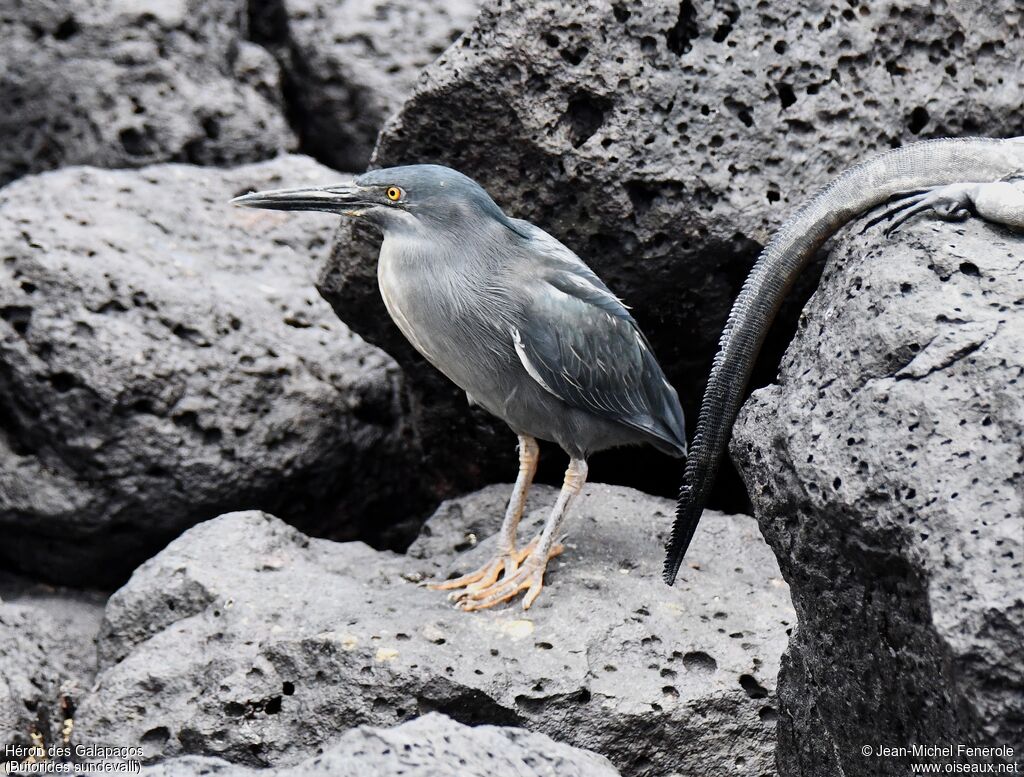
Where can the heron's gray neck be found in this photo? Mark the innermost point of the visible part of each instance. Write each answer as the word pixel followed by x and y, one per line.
pixel 472 251
pixel 441 292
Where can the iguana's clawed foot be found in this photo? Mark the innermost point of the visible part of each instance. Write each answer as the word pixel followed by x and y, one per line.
pixel 1002 202
pixel 954 202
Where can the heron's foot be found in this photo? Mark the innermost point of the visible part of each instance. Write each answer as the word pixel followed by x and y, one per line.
pixel 484 576
pixel 503 564
pixel 528 576
pixel 954 202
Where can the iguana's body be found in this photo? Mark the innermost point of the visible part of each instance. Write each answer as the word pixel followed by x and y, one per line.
pixel 953 177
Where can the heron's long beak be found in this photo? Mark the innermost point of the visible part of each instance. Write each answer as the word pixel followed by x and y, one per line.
pixel 346 198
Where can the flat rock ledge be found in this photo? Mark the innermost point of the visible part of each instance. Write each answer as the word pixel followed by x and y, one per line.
pixel 248 641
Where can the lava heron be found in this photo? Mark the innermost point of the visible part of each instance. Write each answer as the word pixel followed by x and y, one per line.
pixel 520 323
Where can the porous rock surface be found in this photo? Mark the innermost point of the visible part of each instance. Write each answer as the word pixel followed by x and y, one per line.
pixel 125 83
pixel 431 746
pixel 247 640
pixel 165 357
pixel 885 469
pixel 663 141
pixel 47 658
pixel 348 65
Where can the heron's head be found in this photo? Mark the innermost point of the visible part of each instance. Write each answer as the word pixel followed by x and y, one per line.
pixel 395 199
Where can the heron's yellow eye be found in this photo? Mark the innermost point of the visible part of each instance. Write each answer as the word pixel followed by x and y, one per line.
pixel 394 193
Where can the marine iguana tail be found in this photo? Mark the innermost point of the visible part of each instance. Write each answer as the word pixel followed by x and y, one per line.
pixel 952 177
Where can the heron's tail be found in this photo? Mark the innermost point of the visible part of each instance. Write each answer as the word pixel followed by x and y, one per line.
pixel 870 183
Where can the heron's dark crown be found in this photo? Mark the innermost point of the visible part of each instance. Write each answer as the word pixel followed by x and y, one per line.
pixel 435 189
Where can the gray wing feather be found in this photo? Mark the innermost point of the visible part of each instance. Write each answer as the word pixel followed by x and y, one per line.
pixel 581 344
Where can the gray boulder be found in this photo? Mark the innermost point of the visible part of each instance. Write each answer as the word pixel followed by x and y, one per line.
pixel 664 142
pixel 246 640
pixel 349 65
pixel 47 659
pixel 885 469
pixel 125 84
pixel 165 357
pixel 431 746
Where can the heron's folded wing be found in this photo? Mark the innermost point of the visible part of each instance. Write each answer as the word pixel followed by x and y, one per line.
pixel 582 345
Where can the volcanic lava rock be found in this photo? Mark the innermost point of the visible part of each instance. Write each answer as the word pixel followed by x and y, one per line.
pixel 165 357
pixel 885 469
pixel 122 84
pixel 430 746
pixel 47 660
pixel 664 141
pixel 349 65
pixel 246 640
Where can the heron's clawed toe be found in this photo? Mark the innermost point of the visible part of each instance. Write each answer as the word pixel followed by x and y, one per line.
pixel 484 576
pixel 528 575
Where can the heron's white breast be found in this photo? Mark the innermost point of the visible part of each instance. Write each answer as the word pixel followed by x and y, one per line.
pixel 442 313
pixel 398 284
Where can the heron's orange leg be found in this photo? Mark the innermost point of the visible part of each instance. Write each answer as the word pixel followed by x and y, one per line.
pixel 507 559
pixel 529 575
